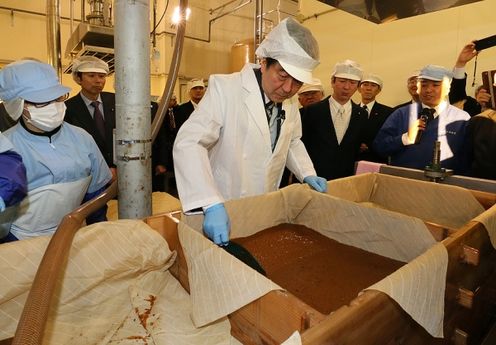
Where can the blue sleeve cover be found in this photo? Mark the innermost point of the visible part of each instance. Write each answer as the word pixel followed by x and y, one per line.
pixel 99 215
pixel 13 182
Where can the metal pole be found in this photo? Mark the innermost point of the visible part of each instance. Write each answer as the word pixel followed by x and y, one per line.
pixel 133 119
pixel 71 26
pixel 53 35
pixel 258 23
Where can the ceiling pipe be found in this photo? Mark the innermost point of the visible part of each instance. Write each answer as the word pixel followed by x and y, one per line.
pixel 41 14
pixel 210 22
pixel 173 71
pixel 258 26
pixel 53 35
pixel 317 15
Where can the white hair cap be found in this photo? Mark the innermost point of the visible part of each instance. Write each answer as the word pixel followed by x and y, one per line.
pixel 315 86
pixel 348 69
pixel 294 47
pixel 86 64
pixel 372 78
pixel 195 83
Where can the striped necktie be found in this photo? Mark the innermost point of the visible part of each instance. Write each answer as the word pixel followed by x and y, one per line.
pixel 98 118
pixel 339 125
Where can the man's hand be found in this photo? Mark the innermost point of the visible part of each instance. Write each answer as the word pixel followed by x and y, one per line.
pixel 467 53
pixel 483 98
pixel 216 224
pixel 415 127
pixel 317 183
pixel 160 170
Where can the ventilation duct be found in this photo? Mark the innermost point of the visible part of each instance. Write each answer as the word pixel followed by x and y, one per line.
pixel 95 37
pixel 382 11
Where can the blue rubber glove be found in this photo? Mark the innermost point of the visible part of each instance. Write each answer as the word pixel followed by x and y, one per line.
pixel 216 224
pixel 317 183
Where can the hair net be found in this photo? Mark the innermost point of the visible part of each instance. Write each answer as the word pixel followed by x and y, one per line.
pixel 315 86
pixel 88 64
pixel 436 73
pixel 372 78
pixel 30 80
pixel 294 47
pixel 348 69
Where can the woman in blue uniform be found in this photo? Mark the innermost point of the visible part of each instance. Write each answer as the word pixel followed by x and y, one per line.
pixel 63 164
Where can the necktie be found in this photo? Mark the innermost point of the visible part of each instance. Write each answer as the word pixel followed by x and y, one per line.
pixel 271 112
pixel 98 118
pixel 427 114
pixel 366 109
pixel 339 125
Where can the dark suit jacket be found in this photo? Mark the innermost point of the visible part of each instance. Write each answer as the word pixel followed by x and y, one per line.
pixel 458 93
pixel 183 112
pixel 5 120
pixel 330 159
pixel 162 146
pixel 378 115
pixel 78 114
pixel 402 105
pixel 481 144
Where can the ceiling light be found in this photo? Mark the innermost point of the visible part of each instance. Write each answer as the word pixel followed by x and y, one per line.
pixel 176 16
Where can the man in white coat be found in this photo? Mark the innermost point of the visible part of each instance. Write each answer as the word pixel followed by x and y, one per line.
pixel 246 130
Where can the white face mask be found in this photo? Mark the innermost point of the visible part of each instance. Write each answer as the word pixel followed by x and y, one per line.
pixel 48 117
pixel 14 108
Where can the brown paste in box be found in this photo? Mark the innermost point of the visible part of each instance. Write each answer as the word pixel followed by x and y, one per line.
pixel 320 271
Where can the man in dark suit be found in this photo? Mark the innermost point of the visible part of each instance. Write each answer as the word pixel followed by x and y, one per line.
pixel 332 128
pixel 162 162
pixel 92 109
pixel 369 88
pixel 196 89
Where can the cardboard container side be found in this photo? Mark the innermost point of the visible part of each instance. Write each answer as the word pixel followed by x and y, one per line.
pixel 446 205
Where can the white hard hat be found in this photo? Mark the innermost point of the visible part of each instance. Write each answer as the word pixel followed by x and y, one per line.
pixel 294 47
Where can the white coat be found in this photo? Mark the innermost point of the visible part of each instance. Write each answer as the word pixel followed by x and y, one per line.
pixel 224 150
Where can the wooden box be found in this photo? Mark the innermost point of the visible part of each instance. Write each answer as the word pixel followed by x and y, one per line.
pixel 373 317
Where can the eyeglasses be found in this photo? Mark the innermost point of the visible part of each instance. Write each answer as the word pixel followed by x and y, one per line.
pixel 41 105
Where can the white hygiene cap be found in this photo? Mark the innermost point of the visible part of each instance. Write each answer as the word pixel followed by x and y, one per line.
pixel 294 47
pixel 86 64
pixel 348 69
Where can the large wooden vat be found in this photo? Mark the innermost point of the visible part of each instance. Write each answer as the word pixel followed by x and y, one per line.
pixel 373 317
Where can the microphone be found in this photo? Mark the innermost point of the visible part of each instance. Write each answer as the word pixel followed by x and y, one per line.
pixel 426 116
pixel 282 115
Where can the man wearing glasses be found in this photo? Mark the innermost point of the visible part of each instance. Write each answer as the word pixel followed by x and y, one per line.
pixel 64 166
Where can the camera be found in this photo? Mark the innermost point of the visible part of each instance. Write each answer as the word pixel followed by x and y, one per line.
pixel 485 43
